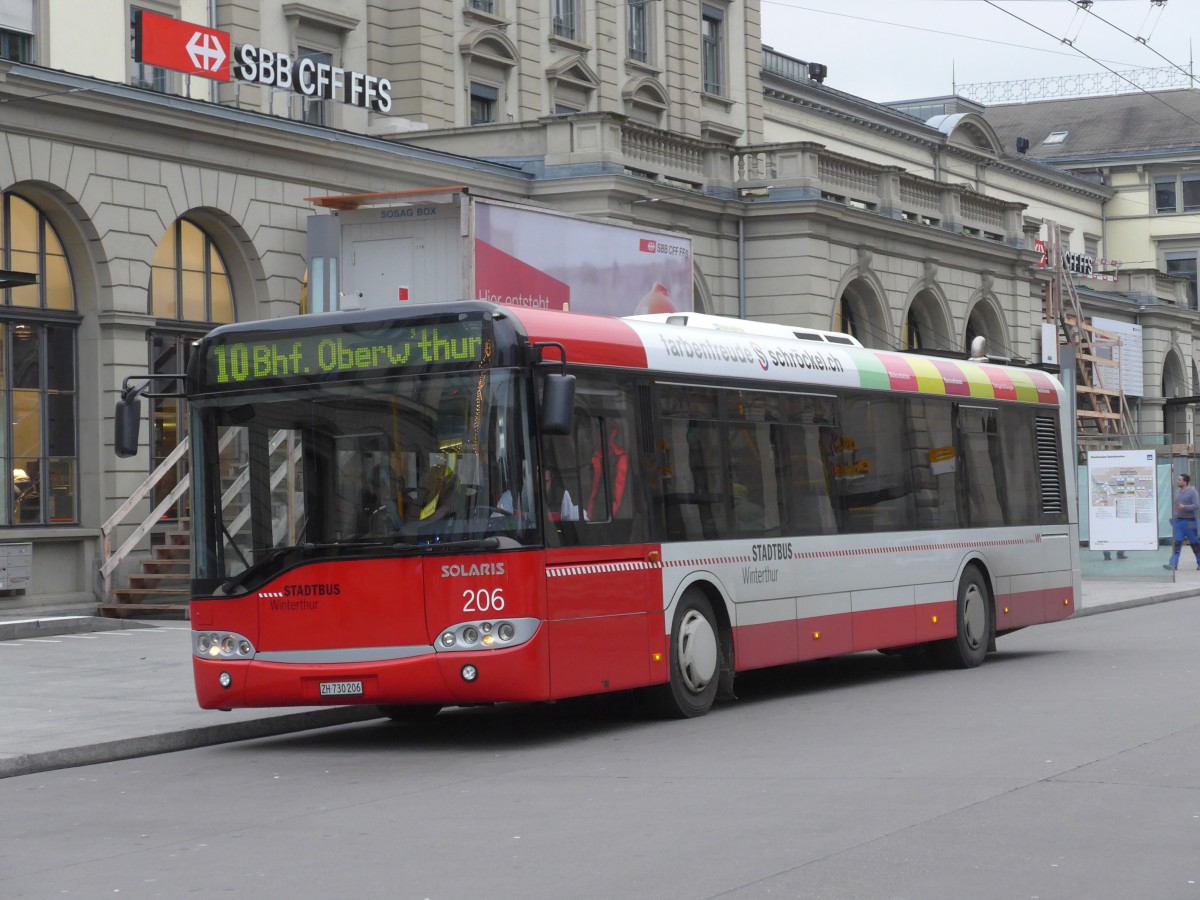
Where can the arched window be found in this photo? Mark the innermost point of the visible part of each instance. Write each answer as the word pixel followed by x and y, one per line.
pixel 188 280
pixel 38 383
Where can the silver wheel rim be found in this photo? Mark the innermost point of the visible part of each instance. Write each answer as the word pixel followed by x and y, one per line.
pixel 696 651
pixel 974 615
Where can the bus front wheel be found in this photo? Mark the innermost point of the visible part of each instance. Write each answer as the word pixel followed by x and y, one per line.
pixel 974 616
pixel 695 660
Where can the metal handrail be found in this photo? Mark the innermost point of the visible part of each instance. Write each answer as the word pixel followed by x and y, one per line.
pixel 110 560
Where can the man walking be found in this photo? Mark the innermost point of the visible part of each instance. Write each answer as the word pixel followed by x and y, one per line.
pixel 1187 501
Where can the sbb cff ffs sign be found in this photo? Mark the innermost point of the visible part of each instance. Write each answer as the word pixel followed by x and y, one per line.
pixel 196 50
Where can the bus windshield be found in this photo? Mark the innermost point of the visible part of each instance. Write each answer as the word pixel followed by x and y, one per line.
pixel 405 464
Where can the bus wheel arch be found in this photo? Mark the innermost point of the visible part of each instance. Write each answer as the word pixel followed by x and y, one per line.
pixel 975 620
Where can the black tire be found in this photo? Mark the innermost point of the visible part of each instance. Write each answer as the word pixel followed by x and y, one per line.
pixel 417 712
pixel 975 623
pixel 695 661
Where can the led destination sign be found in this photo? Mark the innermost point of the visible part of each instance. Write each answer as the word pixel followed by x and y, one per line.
pixel 233 360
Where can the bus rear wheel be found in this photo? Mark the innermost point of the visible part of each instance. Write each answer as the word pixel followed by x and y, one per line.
pixel 695 660
pixel 974 624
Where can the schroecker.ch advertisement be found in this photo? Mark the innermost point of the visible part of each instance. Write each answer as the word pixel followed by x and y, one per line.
pixel 545 261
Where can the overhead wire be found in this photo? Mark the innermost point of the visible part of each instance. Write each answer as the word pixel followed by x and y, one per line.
pixel 1140 40
pixel 969 37
pixel 1129 81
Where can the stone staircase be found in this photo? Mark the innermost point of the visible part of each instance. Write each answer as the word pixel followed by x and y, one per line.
pixel 162 586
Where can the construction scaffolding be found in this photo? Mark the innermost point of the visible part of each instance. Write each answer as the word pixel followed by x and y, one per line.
pixel 1102 419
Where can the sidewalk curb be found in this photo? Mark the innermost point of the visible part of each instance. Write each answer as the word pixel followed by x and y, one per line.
pixel 1135 602
pixel 188 739
pixel 52 626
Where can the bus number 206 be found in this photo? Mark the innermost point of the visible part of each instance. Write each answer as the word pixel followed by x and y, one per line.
pixel 483 600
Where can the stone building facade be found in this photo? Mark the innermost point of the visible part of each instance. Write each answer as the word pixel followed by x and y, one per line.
pixel 173 204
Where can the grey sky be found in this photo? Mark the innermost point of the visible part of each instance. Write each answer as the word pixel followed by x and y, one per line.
pixel 905 49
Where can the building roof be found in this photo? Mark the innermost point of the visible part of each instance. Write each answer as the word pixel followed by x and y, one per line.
pixel 1154 123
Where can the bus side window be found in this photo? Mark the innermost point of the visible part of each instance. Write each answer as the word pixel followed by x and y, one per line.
pixel 695 502
pixel 983 466
pixel 872 474
pixel 566 475
pixel 934 463
pixel 754 439
pixel 805 460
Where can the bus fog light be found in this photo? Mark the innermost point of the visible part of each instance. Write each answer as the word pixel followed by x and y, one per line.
pixel 225 679
pixel 505 632
pixel 469 672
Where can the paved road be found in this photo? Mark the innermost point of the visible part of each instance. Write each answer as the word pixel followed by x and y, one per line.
pixel 1068 766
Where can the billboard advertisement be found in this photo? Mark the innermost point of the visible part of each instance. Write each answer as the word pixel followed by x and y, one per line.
pixel 536 259
pixel 1122 500
pixel 1130 335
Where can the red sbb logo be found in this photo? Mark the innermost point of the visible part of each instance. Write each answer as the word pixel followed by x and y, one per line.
pixel 650 245
pixel 182 46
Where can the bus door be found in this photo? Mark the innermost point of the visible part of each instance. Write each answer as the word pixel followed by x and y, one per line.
pixel 600 585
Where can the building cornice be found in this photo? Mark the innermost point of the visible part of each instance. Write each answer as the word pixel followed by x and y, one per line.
pixel 164 114
pixel 884 120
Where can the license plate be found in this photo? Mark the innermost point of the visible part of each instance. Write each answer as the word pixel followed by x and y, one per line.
pixel 341 689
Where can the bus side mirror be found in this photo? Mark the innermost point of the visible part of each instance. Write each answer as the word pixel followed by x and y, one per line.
pixel 128 425
pixel 558 403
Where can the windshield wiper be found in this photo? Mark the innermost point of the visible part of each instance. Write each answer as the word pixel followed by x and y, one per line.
pixel 487 543
pixel 273 555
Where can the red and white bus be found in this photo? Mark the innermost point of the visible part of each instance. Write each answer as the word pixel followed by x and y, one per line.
pixel 467 503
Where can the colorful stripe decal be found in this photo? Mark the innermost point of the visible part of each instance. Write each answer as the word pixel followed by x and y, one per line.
pixel 1047 392
pixel 917 374
pixel 614 342
pixel 952 377
pixel 899 372
pixel 929 379
pixel 872 372
pixel 1002 384
pixel 1026 391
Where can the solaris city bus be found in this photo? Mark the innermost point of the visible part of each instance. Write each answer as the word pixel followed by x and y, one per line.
pixel 465 503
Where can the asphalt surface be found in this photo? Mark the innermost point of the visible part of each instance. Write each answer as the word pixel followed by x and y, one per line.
pixel 80 690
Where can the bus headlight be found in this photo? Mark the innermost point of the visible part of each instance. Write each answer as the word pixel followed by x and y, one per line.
pixel 221 645
pixel 489 635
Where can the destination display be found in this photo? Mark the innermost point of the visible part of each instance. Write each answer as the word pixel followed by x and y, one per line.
pixel 235 360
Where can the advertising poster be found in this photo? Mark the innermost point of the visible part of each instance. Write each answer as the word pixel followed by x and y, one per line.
pixel 544 261
pixel 1130 352
pixel 1122 500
